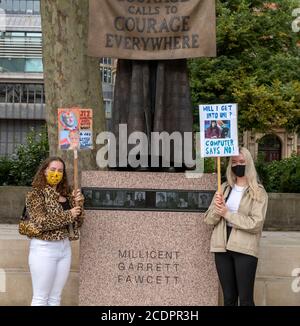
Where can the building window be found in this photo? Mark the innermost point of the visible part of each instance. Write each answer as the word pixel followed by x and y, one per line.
pixel 3 93
pixel 22 52
pixel 39 94
pixel 14 132
pixel 25 7
pixel 22 93
pixel 32 65
pixel 106 61
pixel 269 147
pixel 108 113
pixel 34 36
pixel 106 74
pixel 108 108
pixel 106 70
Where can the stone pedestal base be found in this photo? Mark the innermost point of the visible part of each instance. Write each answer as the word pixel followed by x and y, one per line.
pixel 134 258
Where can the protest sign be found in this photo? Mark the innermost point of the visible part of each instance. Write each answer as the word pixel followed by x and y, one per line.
pixel 75 128
pixel 152 29
pixel 218 130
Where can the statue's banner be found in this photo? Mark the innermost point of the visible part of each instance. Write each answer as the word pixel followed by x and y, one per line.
pixel 152 29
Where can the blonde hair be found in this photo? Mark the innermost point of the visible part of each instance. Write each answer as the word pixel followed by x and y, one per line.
pixel 250 173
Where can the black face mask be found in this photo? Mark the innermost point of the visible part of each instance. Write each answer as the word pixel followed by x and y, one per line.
pixel 239 170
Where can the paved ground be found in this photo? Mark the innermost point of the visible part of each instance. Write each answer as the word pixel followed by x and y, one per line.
pixel 280 238
pixel 8 231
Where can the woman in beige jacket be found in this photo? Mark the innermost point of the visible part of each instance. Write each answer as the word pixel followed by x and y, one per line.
pixel 238 214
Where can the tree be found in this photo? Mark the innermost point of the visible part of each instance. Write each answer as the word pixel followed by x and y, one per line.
pixel 257 66
pixel 72 78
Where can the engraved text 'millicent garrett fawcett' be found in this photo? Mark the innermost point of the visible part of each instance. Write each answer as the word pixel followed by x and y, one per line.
pixel 148 267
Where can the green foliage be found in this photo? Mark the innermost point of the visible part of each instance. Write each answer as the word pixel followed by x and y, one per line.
pixel 209 165
pixel 257 65
pixel 290 180
pixel 280 176
pixel 19 170
pixel 265 106
pixel 262 170
pixel 5 171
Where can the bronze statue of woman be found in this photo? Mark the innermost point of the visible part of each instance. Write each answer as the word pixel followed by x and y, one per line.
pixel 152 96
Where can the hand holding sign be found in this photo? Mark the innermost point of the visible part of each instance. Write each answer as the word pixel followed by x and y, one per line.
pixel 76 211
pixel 220 198
pixel 220 206
pixel 78 196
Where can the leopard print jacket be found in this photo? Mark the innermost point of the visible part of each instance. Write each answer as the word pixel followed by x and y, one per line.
pixel 46 212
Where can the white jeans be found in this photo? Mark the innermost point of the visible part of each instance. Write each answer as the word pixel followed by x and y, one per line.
pixel 49 263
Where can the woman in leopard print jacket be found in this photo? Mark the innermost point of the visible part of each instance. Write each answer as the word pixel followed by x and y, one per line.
pixel 58 214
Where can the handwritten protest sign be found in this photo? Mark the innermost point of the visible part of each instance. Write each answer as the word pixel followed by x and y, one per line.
pixel 152 29
pixel 75 128
pixel 218 130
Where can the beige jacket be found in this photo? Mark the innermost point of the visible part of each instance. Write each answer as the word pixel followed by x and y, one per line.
pixel 247 224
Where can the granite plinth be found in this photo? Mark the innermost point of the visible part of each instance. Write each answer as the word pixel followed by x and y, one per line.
pixel 134 258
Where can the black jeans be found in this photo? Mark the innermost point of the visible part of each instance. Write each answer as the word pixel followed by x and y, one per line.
pixel 236 273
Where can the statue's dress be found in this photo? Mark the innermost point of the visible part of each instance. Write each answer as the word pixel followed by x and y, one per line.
pixel 152 96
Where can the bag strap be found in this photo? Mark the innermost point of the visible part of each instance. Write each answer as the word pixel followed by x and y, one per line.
pixel 24 212
pixel 230 189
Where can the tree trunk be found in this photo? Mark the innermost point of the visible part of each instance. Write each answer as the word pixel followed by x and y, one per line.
pixel 71 77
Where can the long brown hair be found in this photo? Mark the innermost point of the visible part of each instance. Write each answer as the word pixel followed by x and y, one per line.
pixel 40 181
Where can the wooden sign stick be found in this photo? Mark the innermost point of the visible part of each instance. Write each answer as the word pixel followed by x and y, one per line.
pixel 75 169
pixel 75 151
pixel 219 174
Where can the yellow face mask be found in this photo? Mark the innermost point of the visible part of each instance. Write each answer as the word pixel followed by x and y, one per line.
pixel 54 178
